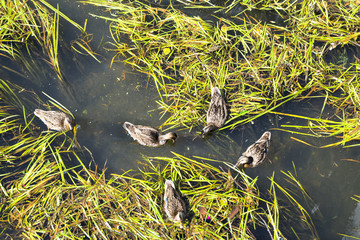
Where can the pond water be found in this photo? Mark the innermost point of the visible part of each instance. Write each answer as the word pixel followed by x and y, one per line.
pixel 106 97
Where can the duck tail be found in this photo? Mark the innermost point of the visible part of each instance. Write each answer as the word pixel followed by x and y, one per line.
pixel 128 126
pixel 215 90
pixel 266 136
pixel 169 183
pixel 37 112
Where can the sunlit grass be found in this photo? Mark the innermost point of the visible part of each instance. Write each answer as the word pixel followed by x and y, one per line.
pixel 346 129
pixel 29 30
pixel 48 190
pixel 260 66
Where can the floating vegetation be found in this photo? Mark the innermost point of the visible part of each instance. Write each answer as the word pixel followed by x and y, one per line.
pixel 259 65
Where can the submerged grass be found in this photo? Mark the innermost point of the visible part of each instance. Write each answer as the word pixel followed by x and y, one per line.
pixel 46 190
pixel 29 30
pixel 260 66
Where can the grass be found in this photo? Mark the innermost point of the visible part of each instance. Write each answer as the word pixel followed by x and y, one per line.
pixel 48 191
pixel 259 65
pixel 29 31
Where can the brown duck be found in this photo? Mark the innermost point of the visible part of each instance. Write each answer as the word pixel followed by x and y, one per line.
pixel 255 154
pixel 174 205
pixel 55 120
pixel 148 136
pixel 217 112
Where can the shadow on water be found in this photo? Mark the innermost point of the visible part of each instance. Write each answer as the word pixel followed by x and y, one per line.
pixel 106 97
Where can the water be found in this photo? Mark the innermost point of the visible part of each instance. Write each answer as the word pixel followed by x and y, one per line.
pixel 106 97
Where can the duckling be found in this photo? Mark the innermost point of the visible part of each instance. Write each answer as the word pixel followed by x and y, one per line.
pixel 148 136
pixel 174 205
pixel 255 154
pixel 55 120
pixel 217 112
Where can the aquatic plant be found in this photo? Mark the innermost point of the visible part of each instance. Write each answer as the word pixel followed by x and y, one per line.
pixel 29 30
pixel 259 65
pixel 48 191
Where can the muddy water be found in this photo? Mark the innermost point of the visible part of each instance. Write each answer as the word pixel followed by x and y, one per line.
pixel 103 98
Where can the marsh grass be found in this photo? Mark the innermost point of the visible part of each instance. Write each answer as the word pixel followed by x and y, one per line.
pixel 47 190
pixel 346 129
pixel 259 66
pixel 29 30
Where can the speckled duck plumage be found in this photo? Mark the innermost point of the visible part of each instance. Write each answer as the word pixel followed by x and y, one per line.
pixel 255 154
pixel 217 112
pixel 148 136
pixel 55 120
pixel 174 205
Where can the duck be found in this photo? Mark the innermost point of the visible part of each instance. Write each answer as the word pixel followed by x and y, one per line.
pixel 217 112
pixel 148 136
pixel 255 154
pixel 174 205
pixel 55 120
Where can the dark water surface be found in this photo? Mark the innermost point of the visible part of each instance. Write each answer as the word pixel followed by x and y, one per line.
pixel 105 97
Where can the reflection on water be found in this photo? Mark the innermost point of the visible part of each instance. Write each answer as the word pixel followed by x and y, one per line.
pixel 106 97
pixel 354 223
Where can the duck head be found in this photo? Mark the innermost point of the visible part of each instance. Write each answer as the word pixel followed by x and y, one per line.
pixel 244 162
pixel 168 136
pixel 208 129
pixel 181 218
pixel 68 123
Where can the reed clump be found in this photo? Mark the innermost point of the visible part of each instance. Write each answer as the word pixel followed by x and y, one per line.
pixel 259 65
pixel 48 191
pixel 29 31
